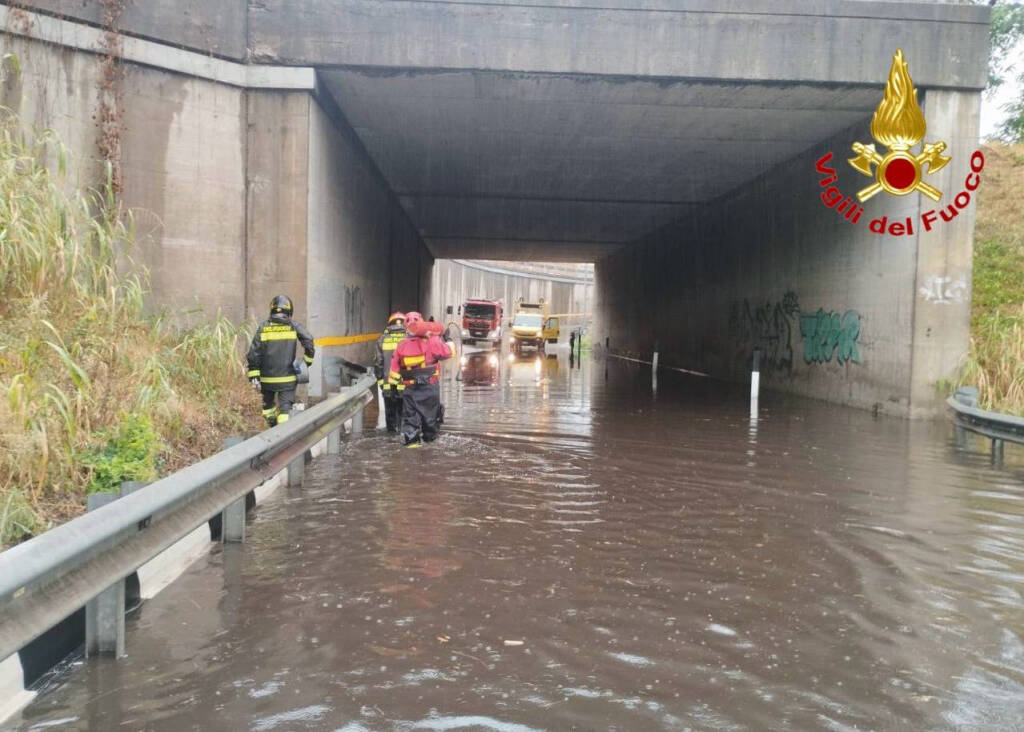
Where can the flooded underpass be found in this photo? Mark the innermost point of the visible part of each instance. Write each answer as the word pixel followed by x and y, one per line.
pixel 579 552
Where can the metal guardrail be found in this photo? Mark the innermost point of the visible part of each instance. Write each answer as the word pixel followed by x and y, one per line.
pixel 53 575
pixel 967 417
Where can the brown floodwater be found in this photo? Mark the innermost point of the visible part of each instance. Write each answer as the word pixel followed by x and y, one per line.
pixel 579 552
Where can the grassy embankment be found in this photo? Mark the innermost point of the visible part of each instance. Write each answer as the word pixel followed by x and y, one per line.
pixel 996 359
pixel 93 390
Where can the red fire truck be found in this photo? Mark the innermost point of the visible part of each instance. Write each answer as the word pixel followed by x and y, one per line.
pixel 481 321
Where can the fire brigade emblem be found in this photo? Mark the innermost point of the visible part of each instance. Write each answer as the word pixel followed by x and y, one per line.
pixel 898 123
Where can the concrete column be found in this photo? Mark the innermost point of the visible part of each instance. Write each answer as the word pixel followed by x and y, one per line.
pixel 277 180
pixel 942 291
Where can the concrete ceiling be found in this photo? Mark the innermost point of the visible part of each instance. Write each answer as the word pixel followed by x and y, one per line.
pixel 522 166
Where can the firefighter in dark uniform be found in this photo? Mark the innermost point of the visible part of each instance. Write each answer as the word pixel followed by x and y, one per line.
pixel 391 389
pixel 271 359
pixel 416 363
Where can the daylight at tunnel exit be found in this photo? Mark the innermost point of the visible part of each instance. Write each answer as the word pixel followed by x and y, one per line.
pixel 392 365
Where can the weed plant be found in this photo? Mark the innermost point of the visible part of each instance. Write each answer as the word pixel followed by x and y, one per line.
pixel 93 390
pixel 995 362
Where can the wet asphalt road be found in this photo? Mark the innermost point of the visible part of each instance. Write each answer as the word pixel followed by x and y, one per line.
pixel 577 552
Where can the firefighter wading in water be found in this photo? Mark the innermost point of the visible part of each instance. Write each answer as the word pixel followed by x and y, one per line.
pixel 391 388
pixel 415 365
pixel 271 359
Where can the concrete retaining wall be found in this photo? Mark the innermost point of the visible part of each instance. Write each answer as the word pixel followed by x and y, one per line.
pixel 217 27
pixel 183 164
pixel 764 266
pixel 238 192
pixel 364 255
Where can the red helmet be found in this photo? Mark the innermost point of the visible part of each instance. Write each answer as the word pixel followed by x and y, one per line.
pixel 396 316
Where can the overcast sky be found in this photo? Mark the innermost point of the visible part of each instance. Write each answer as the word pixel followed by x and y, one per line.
pixel 991 114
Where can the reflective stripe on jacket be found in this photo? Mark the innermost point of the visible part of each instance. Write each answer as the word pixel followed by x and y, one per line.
pixel 386 346
pixel 272 352
pixel 416 360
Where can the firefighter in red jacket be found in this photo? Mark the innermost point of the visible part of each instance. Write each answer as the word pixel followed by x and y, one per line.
pixel 415 364
pixel 271 359
pixel 391 388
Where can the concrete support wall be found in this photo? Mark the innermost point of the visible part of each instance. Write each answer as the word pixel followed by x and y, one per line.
pixel 828 41
pixel 763 267
pixel 942 294
pixel 364 256
pixel 238 193
pixel 453 283
pixel 183 164
pixel 278 173
pixel 217 27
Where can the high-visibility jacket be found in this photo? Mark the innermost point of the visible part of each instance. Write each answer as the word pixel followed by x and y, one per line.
pixel 272 353
pixel 386 346
pixel 416 360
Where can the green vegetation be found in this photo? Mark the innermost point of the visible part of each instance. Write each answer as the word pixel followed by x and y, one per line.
pixel 1005 33
pixel 93 390
pixel 996 359
pixel 130 453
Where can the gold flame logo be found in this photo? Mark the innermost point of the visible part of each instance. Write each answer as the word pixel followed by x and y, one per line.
pixel 899 124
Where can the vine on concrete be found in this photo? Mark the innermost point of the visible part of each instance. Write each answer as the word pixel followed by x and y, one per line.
pixel 111 91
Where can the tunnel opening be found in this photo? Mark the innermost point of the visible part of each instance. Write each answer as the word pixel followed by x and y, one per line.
pixel 698 202
pixel 657 195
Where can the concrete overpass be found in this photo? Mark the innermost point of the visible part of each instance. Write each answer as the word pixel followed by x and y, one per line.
pixel 335 148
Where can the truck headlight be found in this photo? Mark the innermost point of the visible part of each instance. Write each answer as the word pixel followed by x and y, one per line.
pixel 494 333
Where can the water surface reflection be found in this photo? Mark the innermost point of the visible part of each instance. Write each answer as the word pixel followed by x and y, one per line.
pixel 578 553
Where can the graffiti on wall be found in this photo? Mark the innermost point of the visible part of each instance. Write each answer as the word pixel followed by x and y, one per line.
pixel 943 290
pixel 772 326
pixel 353 311
pixel 768 328
pixel 827 333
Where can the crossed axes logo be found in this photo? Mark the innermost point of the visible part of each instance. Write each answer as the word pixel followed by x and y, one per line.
pixel 899 124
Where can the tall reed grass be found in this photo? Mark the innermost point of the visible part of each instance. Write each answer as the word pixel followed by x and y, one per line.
pixel 80 358
pixel 995 362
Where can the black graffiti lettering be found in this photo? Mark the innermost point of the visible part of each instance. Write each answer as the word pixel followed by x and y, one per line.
pixel 768 328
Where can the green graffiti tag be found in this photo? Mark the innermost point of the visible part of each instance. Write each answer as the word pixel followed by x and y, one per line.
pixel 826 333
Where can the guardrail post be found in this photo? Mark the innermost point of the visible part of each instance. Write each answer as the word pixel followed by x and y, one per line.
pixel 755 383
pixel 654 368
pixel 334 442
pixel 232 518
pixel 296 469
pixel 997 452
pixel 357 422
pixel 959 435
pixel 104 622
pixel 232 522
pixel 104 614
